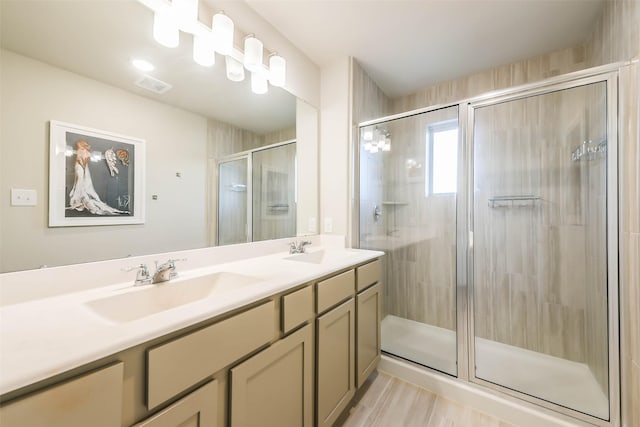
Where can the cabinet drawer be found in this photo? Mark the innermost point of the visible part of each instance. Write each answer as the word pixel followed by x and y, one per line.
pixel 368 274
pixel 181 363
pixel 196 409
pixel 297 308
pixel 335 290
pixel 94 399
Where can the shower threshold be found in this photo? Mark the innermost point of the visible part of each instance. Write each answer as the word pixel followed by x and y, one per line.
pixel 563 382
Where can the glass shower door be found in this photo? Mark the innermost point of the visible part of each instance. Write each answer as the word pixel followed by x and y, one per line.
pixel 540 318
pixel 232 201
pixel 408 185
pixel 274 192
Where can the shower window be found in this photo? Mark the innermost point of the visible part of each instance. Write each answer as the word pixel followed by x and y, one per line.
pixel 442 158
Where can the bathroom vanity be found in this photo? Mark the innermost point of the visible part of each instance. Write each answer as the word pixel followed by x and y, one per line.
pixel 289 348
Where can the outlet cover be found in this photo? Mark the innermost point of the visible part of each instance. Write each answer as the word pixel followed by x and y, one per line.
pixel 21 197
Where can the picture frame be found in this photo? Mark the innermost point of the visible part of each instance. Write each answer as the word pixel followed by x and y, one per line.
pixel 96 177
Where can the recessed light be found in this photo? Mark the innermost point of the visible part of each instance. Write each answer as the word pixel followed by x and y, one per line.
pixel 143 65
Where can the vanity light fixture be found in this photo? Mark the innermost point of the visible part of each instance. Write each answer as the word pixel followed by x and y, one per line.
pixel 222 29
pixel 186 13
pixel 252 53
pixel 182 15
pixel 235 69
pixel 204 49
pixel 143 65
pixel 259 82
pixel 165 30
pixel 277 70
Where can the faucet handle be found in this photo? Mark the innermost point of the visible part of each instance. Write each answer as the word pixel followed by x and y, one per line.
pixel 172 261
pixel 142 277
pixel 302 245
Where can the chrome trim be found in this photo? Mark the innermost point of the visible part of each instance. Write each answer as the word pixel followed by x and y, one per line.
pixel 471 355
pixel 613 263
pixel 254 150
pixel 502 92
pixel 355 187
pixel 462 290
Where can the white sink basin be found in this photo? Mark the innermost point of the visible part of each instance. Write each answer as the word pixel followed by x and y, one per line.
pixel 152 299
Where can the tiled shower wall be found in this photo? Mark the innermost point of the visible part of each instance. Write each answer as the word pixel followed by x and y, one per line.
pixel 536 262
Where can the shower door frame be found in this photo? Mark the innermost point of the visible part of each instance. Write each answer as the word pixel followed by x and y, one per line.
pixel 464 227
pixel 610 78
pixel 245 155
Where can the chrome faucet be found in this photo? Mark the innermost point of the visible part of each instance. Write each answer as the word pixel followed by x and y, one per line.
pixel 166 271
pixel 142 276
pixel 298 247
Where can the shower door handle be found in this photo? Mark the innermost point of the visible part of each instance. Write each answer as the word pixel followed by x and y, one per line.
pixel 377 213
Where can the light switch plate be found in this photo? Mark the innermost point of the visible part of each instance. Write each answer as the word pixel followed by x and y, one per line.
pixel 328 225
pixel 20 197
pixel 312 225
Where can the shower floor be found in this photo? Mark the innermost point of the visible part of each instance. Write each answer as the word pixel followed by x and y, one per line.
pixel 557 380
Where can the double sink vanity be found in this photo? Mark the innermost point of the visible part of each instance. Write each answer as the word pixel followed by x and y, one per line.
pixel 266 339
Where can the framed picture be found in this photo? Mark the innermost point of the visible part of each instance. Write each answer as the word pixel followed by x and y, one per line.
pixel 95 177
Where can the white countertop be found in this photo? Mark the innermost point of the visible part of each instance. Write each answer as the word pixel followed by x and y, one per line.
pixel 43 337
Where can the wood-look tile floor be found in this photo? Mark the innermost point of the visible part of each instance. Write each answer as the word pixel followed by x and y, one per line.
pixel 387 401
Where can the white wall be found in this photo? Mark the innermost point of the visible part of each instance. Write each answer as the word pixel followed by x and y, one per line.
pixel 335 171
pixel 33 93
pixel 307 156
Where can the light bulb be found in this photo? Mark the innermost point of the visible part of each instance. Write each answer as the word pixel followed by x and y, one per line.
pixel 235 70
pixel 165 30
pixel 203 50
pixel 186 12
pixel 374 148
pixel 259 83
pixel 387 146
pixel 368 146
pixel 367 135
pixel 277 70
pixel 222 28
pixel 252 53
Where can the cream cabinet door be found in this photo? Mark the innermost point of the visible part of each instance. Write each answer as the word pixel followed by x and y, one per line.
pixel 197 409
pixel 368 310
pixel 275 387
pixel 93 399
pixel 335 362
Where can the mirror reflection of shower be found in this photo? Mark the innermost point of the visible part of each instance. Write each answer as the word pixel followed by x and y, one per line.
pixel 257 195
pixel 376 140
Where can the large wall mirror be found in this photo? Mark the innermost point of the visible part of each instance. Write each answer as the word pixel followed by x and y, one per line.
pixel 70 61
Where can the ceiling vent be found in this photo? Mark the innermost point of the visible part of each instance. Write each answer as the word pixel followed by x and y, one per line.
pixel 152 84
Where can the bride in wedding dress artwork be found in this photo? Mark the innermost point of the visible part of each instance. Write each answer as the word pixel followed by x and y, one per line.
pixel 83 195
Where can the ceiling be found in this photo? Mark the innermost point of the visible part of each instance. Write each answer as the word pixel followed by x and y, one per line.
pixel 98 39
pixel 405 45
